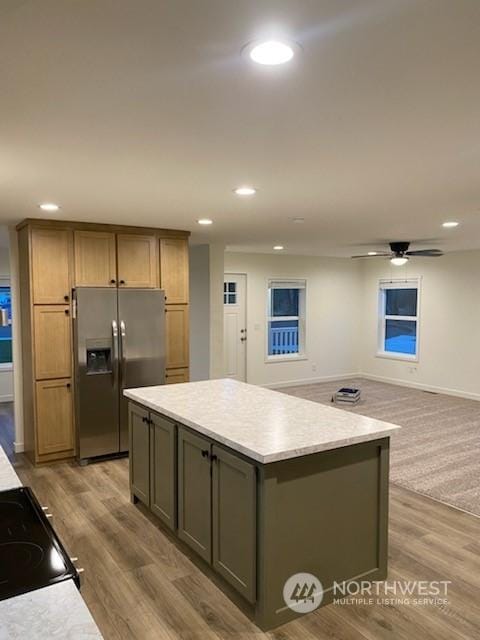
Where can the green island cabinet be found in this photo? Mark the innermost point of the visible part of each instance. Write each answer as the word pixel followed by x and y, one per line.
pixel 251 525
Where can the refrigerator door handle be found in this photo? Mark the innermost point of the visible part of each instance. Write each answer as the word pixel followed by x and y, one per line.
pixel 123 359
pixel 114 350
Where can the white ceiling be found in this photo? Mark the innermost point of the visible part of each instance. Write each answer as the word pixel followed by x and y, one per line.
pixel 145 113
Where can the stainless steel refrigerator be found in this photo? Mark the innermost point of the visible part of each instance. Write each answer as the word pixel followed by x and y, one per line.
pixel 119 343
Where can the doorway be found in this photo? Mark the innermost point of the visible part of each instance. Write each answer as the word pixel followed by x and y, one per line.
pixel 235 325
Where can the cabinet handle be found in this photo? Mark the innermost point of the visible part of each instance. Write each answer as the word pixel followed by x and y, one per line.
pixel 205 453
pixel 66 298
pixel 112 281
pixel 68 385
pixel 213 457
pixel 144 419
pixel 122 281
pixel 67 312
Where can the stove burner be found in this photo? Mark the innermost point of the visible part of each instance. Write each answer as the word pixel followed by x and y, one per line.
pixel 18 558
pixel 31 555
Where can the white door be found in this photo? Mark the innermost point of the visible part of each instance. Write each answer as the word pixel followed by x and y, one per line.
pixel 234 325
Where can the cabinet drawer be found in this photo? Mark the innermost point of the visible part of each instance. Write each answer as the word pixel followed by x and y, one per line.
pixel 175 376
pixel 53 343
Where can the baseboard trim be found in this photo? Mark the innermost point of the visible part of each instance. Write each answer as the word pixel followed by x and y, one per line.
pixel 421 386
pixel 298 383
pixel 19 447
pixel 6 398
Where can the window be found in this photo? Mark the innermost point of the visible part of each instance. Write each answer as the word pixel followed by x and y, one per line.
pixel 286 318
pixel 398 326
pixel 229 293
pixel 5 325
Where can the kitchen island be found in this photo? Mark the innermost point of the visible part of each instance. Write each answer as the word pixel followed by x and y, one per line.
pixel 262 486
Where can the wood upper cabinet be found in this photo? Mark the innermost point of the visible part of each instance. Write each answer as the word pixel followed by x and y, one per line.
pixel 174 269
pixel 137 258
pixel 177 338
pixel 234 532
pixel 54 416
pixel 53 343
pixel 95 259
pixel 51 265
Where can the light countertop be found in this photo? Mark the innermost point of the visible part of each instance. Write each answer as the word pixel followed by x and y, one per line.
pixel 262 424
pixel 57 611
pixel 8 477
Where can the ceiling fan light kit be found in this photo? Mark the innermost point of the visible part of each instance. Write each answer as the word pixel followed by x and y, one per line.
pixel 399 254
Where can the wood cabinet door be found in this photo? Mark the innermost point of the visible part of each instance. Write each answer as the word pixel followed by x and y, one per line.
pixel 137 261
pixel 51 265
pixel 194 493
pixel 53 342
pixel 177 336
pixel 95 259
pixel 139 457
pixel 234 521
pixel 176 376
pixel 174 269
pixel 54 416
pixel 163 468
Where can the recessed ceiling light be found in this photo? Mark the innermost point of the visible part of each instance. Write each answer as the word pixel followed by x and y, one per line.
pixel 399 261
pixel 49 206
pixel 271 52
pixel 278 247
pixel 450 225
pixel 298 220
pixel 245 191
pixel 205 221
pixel 372 253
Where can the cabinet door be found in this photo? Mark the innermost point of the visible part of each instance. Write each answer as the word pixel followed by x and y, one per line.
pixel 234 521
pixel 53 343
pixel 51 265
pixel 176 328
pixel 54 416
pixel 174 269
pixel 95 259
pixel 139 459
pixel 137 261
pixel 194 495
pixel 175 376
pixel 163 469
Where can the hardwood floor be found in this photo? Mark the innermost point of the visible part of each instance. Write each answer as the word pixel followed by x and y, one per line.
pixel 137 584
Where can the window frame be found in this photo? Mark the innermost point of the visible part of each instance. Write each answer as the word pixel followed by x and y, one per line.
pixel 301 318
pixel 384 285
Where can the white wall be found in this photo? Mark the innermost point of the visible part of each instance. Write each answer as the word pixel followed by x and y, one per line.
pixel 199 312
pixel 206 311
pixel 332 316
pixel 449 331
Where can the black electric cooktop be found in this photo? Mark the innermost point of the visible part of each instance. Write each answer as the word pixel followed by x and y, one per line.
pixel 31 555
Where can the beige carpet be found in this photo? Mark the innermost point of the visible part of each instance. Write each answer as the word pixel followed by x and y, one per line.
pixel 436 453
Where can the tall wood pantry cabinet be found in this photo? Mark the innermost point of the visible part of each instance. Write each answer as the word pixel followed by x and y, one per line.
pixel 54 258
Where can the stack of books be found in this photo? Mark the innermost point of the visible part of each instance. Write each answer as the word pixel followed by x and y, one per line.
pixel 345 394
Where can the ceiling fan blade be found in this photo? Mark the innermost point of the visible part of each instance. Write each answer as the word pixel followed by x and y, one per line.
pixel 376 255
pixel 426 253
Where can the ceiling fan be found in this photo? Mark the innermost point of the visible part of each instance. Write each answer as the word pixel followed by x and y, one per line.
pixel 399 253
